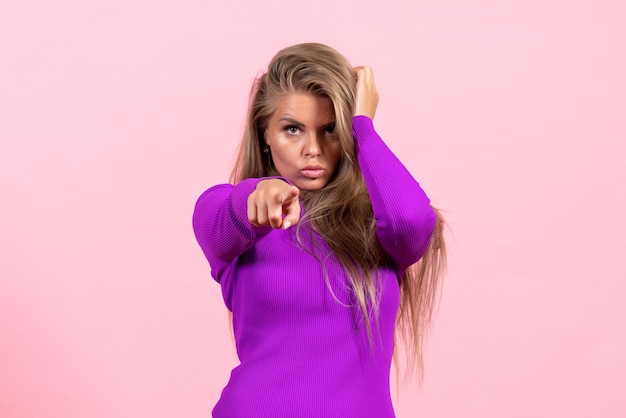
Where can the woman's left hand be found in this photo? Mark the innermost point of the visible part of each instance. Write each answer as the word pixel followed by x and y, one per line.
pixel 366 94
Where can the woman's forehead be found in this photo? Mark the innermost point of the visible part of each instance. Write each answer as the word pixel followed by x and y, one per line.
pixel 306 106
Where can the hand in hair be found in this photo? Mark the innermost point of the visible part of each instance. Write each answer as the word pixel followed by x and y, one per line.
pixel 366 94
pixel 274 203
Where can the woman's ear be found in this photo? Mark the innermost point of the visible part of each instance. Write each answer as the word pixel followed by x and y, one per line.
pixel 266 143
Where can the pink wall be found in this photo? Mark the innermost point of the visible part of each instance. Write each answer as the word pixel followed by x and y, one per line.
pixel 115 116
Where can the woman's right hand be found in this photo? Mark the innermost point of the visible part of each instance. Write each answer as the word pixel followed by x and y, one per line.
pixel 274 203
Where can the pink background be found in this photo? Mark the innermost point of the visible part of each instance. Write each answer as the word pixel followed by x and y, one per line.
pixel 115 115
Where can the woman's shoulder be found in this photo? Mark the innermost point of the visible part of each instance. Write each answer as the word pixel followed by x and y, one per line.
pixel 223 187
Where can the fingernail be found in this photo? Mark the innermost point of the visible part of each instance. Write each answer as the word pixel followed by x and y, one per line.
pixel 286 225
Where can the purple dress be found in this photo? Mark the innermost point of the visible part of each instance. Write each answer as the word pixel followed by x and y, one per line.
pixel 303 349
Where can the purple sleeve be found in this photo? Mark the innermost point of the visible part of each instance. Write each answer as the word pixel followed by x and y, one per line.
pixel 404 219
pixel 221 225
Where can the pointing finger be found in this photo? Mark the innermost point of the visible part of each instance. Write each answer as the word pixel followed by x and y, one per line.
pixel 288 195
pixel 291 207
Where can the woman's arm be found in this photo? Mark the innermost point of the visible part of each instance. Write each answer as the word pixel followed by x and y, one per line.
pixel 228 220
pixel 221 225
pixel 404 219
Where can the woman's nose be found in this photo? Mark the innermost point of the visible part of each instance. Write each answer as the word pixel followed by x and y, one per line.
pixel 312 145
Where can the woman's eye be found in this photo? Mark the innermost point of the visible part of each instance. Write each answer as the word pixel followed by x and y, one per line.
pixel 292 129
pixel 330 130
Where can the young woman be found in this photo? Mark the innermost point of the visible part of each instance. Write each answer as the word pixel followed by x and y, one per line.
pixel 316 246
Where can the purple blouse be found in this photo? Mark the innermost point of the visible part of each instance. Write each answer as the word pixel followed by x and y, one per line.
pixel 303 349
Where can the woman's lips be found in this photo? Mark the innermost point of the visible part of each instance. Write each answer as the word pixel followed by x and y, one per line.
pixel 313 172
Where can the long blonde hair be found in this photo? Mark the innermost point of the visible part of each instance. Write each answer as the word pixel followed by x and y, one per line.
pixel 341 212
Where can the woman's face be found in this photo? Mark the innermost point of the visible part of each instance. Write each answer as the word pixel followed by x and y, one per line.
pixel 302 140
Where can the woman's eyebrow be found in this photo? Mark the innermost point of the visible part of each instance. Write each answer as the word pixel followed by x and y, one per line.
pixel 292 121
pixel 301 125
